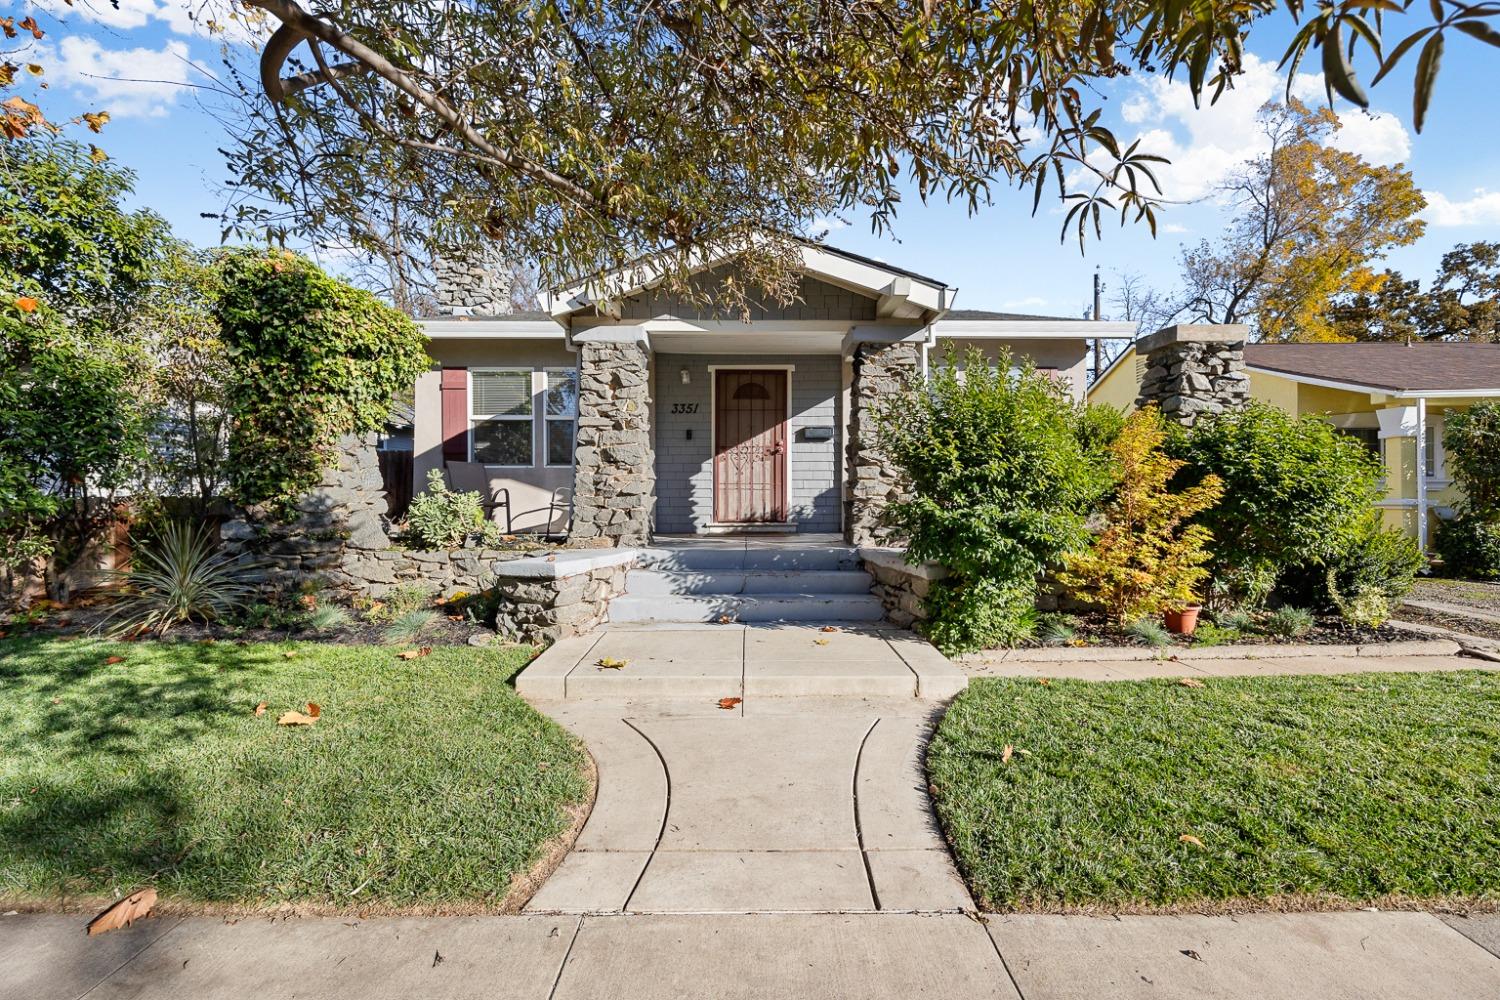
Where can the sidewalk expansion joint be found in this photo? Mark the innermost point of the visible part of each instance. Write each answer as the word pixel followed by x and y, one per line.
pixel 859 834
pixel 666 810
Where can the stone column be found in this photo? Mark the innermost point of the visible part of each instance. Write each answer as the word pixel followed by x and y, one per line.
pixel 883 364
pixel 474 285
pixel 1194 370
pixel 614 477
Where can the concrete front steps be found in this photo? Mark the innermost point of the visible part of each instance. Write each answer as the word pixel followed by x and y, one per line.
pixel 749 583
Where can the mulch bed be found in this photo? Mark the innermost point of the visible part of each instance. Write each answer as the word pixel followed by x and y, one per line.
pixel 1458 623
pixel 1096 629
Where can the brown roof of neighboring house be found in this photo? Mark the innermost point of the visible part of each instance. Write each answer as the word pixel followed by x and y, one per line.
pixel 1433 367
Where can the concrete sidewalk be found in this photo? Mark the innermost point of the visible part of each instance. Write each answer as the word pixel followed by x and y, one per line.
pixel 1390 956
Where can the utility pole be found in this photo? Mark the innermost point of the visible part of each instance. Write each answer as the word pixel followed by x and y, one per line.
pixel 1098 341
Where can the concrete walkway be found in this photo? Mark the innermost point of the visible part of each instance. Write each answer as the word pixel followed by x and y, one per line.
pixel 1340 956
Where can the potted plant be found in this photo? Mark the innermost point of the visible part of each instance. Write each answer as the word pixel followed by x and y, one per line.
pixel 1182 620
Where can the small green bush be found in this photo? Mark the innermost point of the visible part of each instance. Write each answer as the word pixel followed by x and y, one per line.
pixel 1288 622
pixel 1369 578
pixel 409 626
pixel 1470 545
pixel 441 517
pixel 1296 492
pixel 1001 486
pixel 176 577
pixel 1057 630
pixel 1210 634
pixel 1149 632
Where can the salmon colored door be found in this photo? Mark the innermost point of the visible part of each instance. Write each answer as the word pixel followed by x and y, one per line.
pixel 749 446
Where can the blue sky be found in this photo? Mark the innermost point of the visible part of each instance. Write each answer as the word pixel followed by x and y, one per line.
pixel 1003 257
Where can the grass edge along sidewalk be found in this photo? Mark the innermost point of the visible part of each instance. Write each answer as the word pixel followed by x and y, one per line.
pixel 1224 793
pixel 426 785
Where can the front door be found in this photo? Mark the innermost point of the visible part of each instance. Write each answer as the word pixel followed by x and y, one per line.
pixel 749 446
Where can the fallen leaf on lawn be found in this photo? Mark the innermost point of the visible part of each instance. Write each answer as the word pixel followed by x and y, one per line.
pixel 124 913
pixel 260 709
pixel 610 663
pixel 1190 682
pixel 1188 838
pixel 1044 681
pixel 820 642
pixel 289 653
pixel 314 711
pixel 829 628
pixel 727 703
pixel 110 661
pixel 1005 754
pixel 412 654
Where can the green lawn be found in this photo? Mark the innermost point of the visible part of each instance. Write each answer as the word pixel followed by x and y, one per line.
pixel 1358 788
pixel 425 783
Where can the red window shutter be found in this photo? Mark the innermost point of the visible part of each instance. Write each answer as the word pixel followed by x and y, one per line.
pixel 455 414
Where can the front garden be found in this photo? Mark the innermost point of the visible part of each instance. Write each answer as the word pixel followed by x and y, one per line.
pixel 1235 793
pixel 425 783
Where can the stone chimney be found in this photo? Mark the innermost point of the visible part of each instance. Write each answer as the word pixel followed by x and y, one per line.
pixel 476 285
pixel 1193 370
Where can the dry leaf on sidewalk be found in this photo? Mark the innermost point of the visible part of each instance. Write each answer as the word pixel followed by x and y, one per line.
pixel 726 620
pixel 829 628
pixel 727 703
pixel 610 663
pixel 293 718
pixel 820 642
pixel 1188 838
pixel 1191 682
pixel 124 913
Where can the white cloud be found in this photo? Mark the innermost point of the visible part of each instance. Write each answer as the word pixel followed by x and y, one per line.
pixel 128 83
pixel 124 15
pixel 828 224
pixel 1207 142
pixel 1030 302
pixel 1481 209
pixel 1172 227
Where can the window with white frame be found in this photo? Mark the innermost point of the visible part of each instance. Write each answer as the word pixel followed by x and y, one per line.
pixel 1433 447
pixel 501 416
pixel 560 415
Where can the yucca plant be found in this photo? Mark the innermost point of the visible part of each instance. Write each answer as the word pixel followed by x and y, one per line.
pixel 179 576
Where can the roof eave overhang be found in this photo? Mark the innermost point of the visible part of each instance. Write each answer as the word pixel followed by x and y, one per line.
pixel 1045 329
pixel 491 329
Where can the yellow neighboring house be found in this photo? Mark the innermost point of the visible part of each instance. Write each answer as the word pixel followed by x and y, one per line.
pixel 1394 397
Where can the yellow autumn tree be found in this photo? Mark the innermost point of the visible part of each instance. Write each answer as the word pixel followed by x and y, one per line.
pixel 1310 221
pixel 1148 559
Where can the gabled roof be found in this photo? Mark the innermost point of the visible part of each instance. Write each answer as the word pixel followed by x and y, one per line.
pixel 1442 368
pixel 899 293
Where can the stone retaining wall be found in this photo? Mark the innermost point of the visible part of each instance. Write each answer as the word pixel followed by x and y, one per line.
pixel 900 586
pixel 552 597
pixel 339 538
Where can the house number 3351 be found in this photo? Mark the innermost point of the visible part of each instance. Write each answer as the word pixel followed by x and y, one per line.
pixel 684 407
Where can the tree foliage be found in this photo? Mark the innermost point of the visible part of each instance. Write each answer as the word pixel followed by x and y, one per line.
pixel 1001 487
pixel 311 358
pixel 1296 492
pixel 1148 559
pixel 1309 219
pixel 586 135
pixel 1462 303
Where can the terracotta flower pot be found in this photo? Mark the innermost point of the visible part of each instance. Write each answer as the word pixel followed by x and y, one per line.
pixel 1184 620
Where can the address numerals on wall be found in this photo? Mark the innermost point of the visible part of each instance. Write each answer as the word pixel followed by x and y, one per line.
pixel 684 407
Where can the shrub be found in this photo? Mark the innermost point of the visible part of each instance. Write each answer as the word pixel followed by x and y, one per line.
pixel 441 517
pixel 177 577
pixel 1210 634
pixel 311 359
pixel 327 618
pixel 1288 622
pixel 1000 488
pixel 1149 632
pixel 1470 543
pixel 407 627
pixel 1296 491
pixel 1147 559
pixel 1369 578
pixel 1057 630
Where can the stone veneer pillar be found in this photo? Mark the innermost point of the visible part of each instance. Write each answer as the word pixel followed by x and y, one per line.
pixel 614 477
pixel 882 368
pixel 1194 370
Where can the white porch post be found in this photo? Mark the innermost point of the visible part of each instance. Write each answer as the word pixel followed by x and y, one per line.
pixel 1422 473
